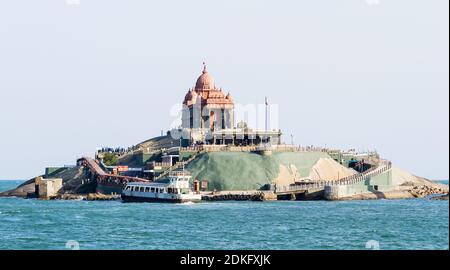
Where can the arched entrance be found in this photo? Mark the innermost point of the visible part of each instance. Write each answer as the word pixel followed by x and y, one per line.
pixel 212 120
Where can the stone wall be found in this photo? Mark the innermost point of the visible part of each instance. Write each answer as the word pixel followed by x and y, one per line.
pixel 47 188
pixel 378 183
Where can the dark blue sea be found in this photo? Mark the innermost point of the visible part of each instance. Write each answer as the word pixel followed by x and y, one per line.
pixel 383 224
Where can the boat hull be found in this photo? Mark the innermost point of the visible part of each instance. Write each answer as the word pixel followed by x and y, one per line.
pixel 136 199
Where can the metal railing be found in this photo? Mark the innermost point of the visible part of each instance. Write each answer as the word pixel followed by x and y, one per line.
pixel 349 180
pixel 176 166
pixel 104 177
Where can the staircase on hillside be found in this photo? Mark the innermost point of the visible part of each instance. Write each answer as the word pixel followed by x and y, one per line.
pixel 176 166
pixel 350 180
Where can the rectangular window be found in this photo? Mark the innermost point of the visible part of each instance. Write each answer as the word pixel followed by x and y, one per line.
pixel 153 190
pixel 147 189
pixel 141 189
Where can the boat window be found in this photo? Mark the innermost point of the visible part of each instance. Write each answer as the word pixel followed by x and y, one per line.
pixel 141 189
pixel 161 190
pixel 147 189
pixel 153 190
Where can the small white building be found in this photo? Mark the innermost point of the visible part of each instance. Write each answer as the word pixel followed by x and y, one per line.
pixel 47 188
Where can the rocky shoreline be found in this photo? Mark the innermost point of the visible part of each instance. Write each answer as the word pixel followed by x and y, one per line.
pixel 86 197
pixel 421 191
pixel 424 191
pixel 440 197
pixel 240 196
pixel 439 192
pixel 75 187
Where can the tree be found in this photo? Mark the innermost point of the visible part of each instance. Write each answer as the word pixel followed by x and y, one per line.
pixel 110 159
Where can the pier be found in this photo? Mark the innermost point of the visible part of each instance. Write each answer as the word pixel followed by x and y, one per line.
pixel 331 189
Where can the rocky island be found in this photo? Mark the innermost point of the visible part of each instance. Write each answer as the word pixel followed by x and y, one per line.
pixel 230 162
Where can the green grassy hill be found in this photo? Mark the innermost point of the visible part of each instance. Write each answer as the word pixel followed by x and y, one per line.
pixel 243 171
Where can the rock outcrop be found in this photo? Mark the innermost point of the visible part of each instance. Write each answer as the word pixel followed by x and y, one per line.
pixel 423 191
pixel 440 198
pixel 72 179
pixel 101 197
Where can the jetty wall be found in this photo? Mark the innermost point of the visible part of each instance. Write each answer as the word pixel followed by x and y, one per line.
pixel 378 183
pixel 47 188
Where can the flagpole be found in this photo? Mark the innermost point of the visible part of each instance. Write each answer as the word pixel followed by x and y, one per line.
pixel 266 123
pixel 266 112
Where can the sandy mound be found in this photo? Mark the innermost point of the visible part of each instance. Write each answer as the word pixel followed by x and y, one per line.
pixel 406 180
pixel 285 176
pixel 289 174
pixel 329 169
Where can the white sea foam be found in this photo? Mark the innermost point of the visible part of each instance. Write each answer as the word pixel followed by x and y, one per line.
pixel 187 203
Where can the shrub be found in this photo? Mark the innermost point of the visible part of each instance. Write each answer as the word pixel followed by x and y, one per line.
pixel 110 159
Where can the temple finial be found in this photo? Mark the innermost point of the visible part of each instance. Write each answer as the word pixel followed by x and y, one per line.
pixel 204 67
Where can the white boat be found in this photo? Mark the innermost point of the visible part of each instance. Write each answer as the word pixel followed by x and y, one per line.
pixel 176 189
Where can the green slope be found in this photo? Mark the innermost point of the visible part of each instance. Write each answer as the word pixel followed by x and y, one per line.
pixel 243 171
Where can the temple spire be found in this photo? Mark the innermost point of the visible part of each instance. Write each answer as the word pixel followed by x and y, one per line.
pixel 204 67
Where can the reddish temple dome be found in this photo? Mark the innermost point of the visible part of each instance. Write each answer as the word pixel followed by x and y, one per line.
pixel 217 109
pixel 205 81
pixel 208 93
pixel 208 118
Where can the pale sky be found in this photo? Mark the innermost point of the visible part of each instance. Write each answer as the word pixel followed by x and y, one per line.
pixel 364 74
